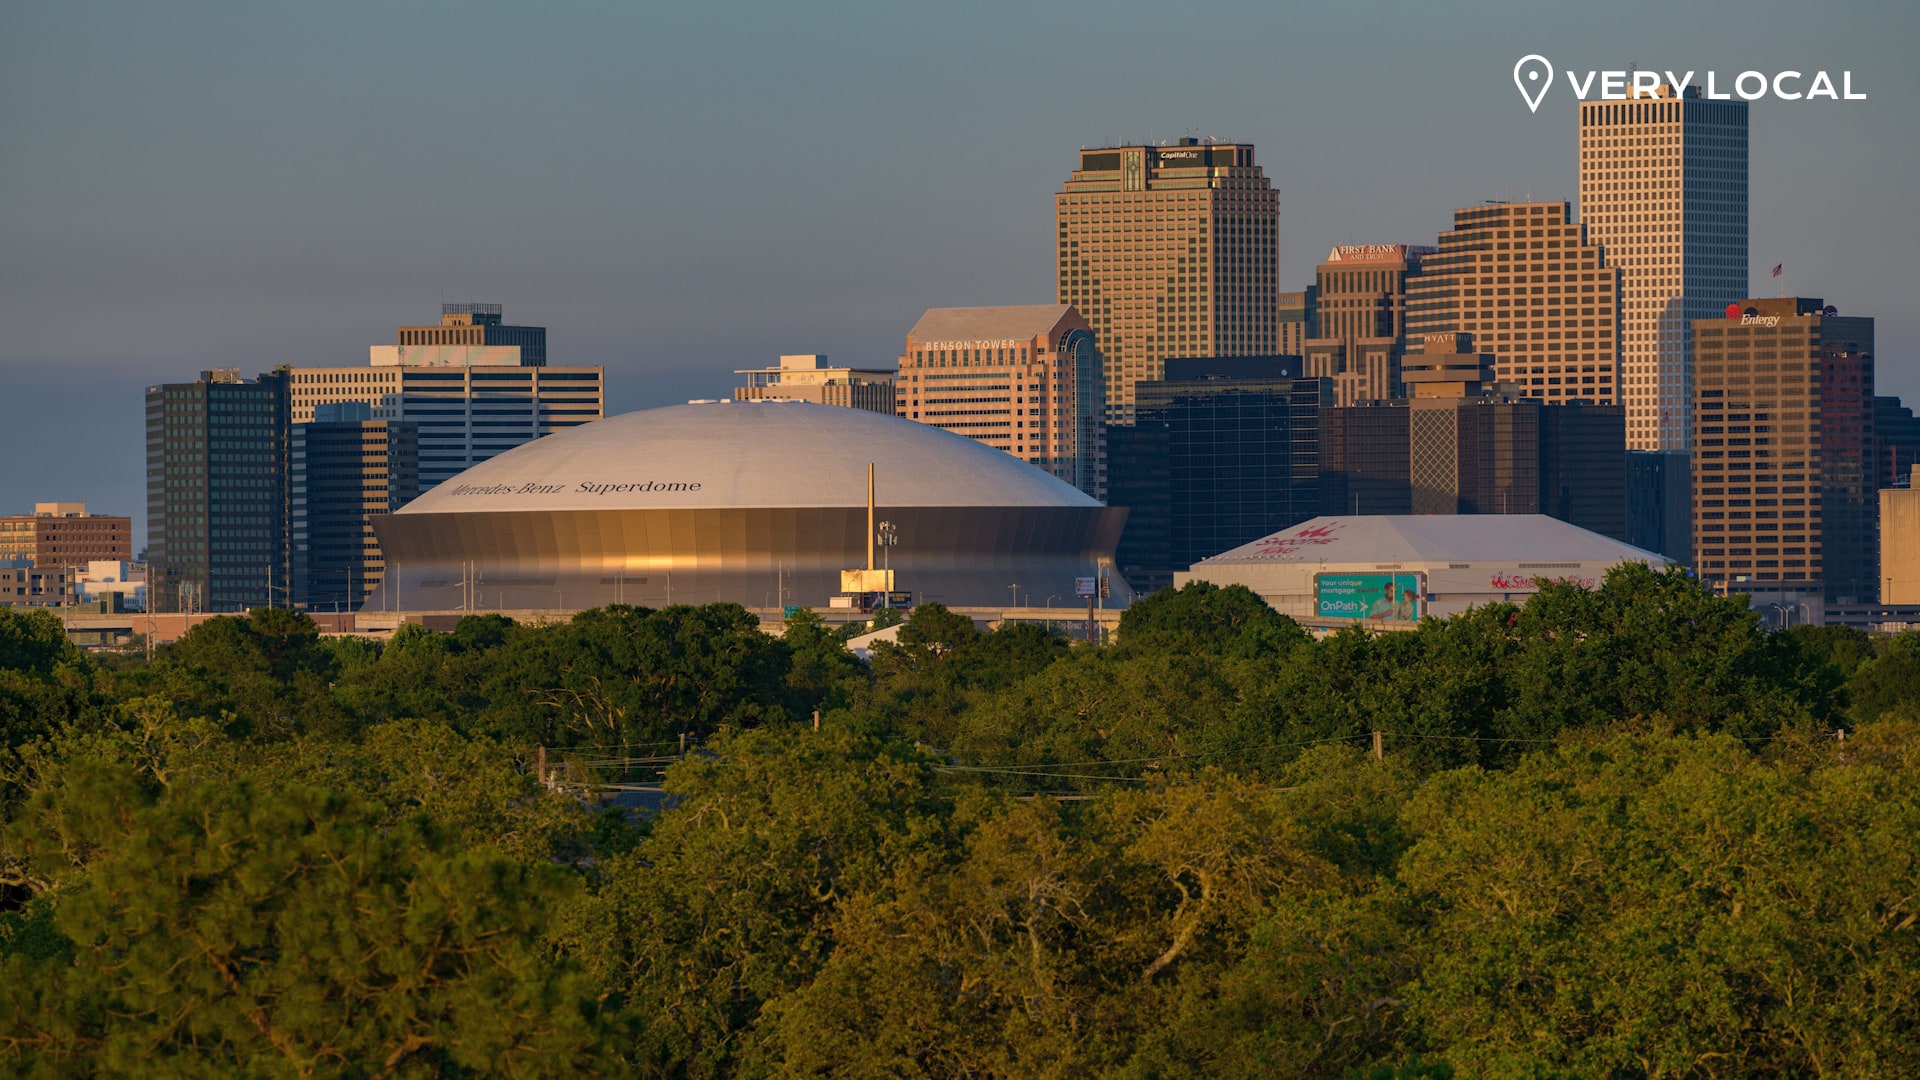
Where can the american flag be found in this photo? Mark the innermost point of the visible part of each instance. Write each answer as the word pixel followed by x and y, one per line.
pixel 1776 269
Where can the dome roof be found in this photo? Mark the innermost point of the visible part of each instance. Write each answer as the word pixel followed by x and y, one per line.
pixel 747 454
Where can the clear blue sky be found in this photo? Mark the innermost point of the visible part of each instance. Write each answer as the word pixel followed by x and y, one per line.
pixel 676 191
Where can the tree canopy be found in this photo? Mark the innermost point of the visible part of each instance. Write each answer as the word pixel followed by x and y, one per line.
pixel 1620 831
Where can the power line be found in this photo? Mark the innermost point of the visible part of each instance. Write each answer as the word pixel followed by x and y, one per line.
pixel 1161 757
pixel 1050 775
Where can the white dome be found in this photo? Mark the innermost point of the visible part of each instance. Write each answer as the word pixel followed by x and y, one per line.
pixel 1446 539
pixel 748 454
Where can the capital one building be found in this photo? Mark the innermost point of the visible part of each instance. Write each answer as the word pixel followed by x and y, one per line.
pixel 1663 190
pixel 1169 251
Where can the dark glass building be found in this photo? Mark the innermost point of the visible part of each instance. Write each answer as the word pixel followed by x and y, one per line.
pixel 346 469
pixel 1583 466
pixel 1365 459
pixel 1488 454
pixel 1223 451
pixel 217 493
pixel 1660 503
pixel 1896 431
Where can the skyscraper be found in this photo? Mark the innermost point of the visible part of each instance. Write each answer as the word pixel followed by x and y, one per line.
pixel 1784 470
pixel 1896 431
pixel 217 493
pixel 1168 251
pixel 1361 319
pixel 1663 189
pixel 346 468
pixel 1221 452
pixel 1023 379
pixel 474 387
pixel 1533 290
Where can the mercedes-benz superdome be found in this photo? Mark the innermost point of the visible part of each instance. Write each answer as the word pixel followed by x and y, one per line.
pixel 758 503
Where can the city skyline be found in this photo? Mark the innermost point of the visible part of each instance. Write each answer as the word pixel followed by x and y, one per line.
pixel 173 214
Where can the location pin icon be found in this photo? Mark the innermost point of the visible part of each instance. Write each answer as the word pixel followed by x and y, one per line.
pixel 1533 74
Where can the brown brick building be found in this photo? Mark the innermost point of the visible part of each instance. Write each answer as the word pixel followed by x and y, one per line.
pixel 1525 281
pixel 1783 458
pixel 1361 320
pixel 60 534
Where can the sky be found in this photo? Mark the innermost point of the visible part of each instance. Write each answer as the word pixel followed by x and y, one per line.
pixel 679 190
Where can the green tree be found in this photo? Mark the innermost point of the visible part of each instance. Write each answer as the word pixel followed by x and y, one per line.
pixel 419 673
pixel 45 680
pixel 1202 617
pixel 1657 643
pixel 1888 682
pixel 1148 711
pixel 728 905
pixel 1841 646
pixel 1670 907
pixel 824 673
pixel 938 629
pixel 636 677
pixel 1063 941
pixel 481 632
pixel 266 674
pixel 232 929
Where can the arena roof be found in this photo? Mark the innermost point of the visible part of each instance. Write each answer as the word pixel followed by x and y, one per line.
pixel 1434 538
pixel 748 454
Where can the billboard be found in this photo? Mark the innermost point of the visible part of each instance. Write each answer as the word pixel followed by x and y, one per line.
pixel 866 581
pixel 1387 597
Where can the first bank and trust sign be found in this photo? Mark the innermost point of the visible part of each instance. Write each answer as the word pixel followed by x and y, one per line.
pixel 585 487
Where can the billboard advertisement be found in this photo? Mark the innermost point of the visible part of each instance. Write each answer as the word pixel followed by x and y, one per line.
pixel 1387 597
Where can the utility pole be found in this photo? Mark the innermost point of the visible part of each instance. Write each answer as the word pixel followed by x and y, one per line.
pixel 1379 746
